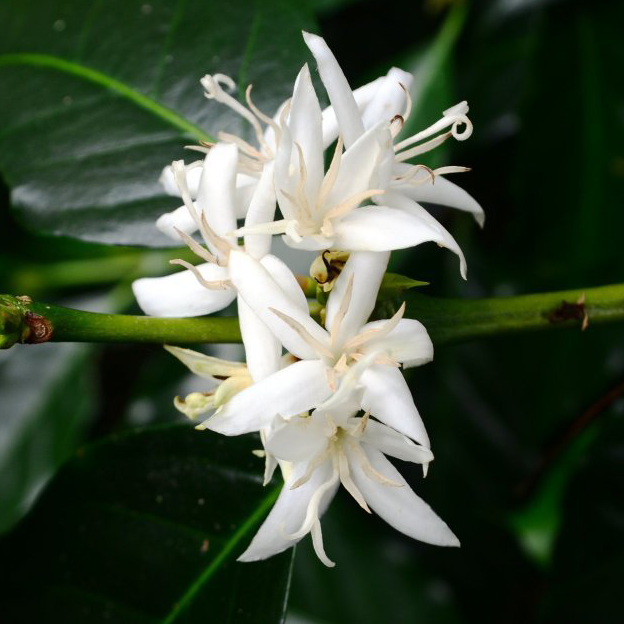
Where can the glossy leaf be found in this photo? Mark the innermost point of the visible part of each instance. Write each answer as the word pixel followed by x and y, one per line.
pixel 104 94
pixel 145 527
pixel 47 402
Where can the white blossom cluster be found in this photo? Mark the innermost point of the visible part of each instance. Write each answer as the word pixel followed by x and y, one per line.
pixel 329 400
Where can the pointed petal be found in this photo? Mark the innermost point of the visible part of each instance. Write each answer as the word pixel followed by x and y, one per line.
pixel 367 270
pixel 381 228
pixel 388 398
pixel 181 295
pixel 400 507
pixel 262 294
pixel 390 98
pixel 392 443
pixel 358 164
pixel 446 240
pixel 217 189
pixel 283 276
pixel 179 219
pixel 362 95
pixel 305 128
pixel 340 95
pixel 445 193
pixel 261 210
pixel 263 351
pixel 408 342
pixel 288 514
pixel 293 390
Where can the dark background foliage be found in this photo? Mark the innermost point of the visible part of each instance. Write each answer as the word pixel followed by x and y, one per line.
pixel 528 431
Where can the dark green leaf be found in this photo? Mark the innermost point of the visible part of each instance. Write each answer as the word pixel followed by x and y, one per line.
pixel 47 401
pixel 146 527
pixel 104 94
pixel 585 584
pixel 394 284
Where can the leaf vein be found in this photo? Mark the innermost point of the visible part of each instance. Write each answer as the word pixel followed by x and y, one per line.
pixel 97 77
pixel 229 546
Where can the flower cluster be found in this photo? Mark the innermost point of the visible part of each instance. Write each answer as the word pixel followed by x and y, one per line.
pixel 329 400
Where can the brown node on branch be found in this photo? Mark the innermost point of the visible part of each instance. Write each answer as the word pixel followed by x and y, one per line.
pixel 567 311
pixel 41 329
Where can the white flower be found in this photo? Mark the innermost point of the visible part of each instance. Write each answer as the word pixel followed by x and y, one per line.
pixel 387 100
pixel 250 167
pixel 330 447
pixel 322 209
pixel 207 288
pixel 225 379
pixel 334 363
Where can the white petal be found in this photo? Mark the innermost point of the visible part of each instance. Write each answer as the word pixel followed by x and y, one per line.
pixel 193 174
pixel 181 295
pixel 340 95
pixel 261 210
pixel 408 342
pixel 367 269
pixel 285 183
pixel 288 514
pixel 262 294
pixel 310 243
pixel 245 189
pixel 390 98
pixel 362 95
pixel 445 193
pixel 217 188
pixel 263 351
pixel 399 506
pixel 305 128
pixel 381 228
pixel 388 398
pixel 358 164
pixel 179 219
pixel 283 276
pixel 392 443
pixel 297 440
pixel 289 392
pixel 446 240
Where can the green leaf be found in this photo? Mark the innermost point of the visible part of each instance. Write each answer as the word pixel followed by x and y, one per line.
pixel 47 401
pixel 394 284
pixel 104 94
pixel 585 584
pixel 146 527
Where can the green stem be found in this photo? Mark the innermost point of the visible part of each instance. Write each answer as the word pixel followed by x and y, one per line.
pixel 447 320
pixel 457 320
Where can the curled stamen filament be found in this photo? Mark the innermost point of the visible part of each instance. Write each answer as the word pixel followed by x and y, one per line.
pixel 214 90
pixel 453 117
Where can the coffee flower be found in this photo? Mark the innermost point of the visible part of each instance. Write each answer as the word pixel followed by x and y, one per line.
pixel 332 447
pixel 335 362
pixel 322 209
pixel 388 101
